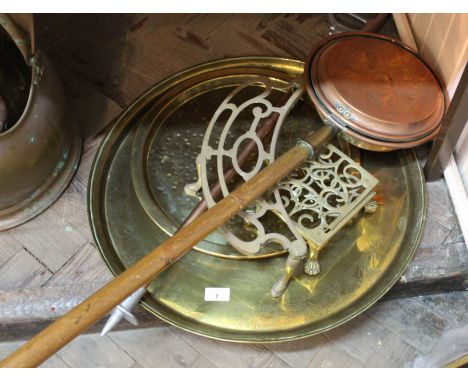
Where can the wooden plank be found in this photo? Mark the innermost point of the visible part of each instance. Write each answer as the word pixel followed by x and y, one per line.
pixel 452 126
pixel 455 236
pixel 41 304
pixel 439 207
pixel 93 110
pixel 55 362
pixel 452 46
pixel 359 338
pixel 393 352
pixel 419 22
pixel 459 195
pixel 8 247
pixel 203 363
pixel 334 357
pixel 23 271
pixel 426 19
pixel 461 155
pixel 267 359
pixel 411 320
pixel 12 331
pixel 84 267
pixel 435 285
pixel 51 237
pixel 441 261
pixel 8 347
pixel 450 348
pixel 457 33
pixel 222 354
pixel 95 351
pixel 159 347
pixel 434 49
pixel 441 37
pixel 72 209
pixel 404 29
pixel 434 234
pixel 87 158
pixel 26 312
pixel 299 353
pixel 453 307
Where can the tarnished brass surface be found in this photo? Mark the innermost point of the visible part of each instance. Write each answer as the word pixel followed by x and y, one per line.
pixel 378 89
pixel 358 266
pixel 38 154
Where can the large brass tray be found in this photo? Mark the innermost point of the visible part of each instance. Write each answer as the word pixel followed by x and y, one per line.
pixel 132 209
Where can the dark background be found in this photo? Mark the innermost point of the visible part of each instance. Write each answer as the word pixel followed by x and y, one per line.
pixel 105 61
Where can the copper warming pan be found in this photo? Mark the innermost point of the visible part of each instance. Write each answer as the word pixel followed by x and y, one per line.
pixel 40 151
pixel 377 92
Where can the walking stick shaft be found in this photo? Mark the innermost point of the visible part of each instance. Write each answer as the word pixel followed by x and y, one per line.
pixel 80 318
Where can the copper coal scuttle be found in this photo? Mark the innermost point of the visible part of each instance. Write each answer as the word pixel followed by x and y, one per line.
pixel 40 144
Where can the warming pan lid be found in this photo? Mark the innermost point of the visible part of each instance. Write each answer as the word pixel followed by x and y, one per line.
pixel 376 86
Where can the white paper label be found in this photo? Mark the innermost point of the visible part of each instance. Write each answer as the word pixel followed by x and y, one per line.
pixel 217 294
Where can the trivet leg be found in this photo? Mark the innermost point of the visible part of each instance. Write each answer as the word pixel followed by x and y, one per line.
pixel 297 252
pixel 312 266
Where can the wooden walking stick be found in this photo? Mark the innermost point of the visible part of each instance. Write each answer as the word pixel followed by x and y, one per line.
pixel 80 318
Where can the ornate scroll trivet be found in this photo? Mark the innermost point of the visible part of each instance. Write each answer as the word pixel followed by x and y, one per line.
pixel 314 202
pixel 323 195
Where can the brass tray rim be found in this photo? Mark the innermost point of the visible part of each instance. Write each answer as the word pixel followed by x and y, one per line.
pixel 133 113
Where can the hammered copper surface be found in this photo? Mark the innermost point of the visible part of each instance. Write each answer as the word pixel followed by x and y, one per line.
pixel 377 87
pixel 358 266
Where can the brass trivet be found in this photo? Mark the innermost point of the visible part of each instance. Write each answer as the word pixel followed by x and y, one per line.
pixel 314 202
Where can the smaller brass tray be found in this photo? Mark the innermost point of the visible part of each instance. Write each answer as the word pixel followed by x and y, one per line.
pixel 168 140
pixel 134 205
